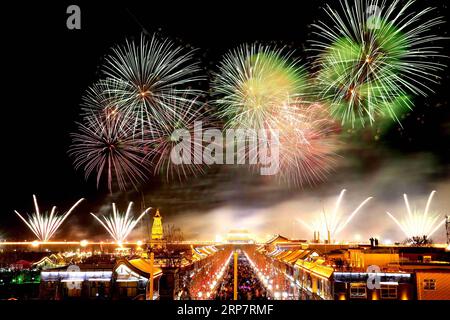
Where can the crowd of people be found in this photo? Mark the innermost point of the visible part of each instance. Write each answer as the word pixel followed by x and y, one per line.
pixel 249 286
pixel 200 282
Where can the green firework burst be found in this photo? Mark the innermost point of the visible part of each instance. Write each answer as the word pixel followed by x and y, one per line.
pixel 374 57
pixel 254 82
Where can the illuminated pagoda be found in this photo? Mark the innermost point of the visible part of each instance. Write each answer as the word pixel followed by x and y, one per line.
pixel 157 227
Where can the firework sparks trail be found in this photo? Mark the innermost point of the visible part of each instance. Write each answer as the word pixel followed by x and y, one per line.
pixel 373 55
pixel 45 225
pixel 119 226
pixel 416 224
pixel 335 223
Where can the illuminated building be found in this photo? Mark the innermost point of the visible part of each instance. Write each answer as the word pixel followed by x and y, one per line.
pixel 92 281
pixel 433 284
pixel 109 277
pixel 239 236
pixel 157 227
pixel 287 269
pixel 311 271
pixel 431 267
pixel 49 262
pixel 131 278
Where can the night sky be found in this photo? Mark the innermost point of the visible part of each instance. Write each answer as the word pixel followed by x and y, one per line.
pixel 47 67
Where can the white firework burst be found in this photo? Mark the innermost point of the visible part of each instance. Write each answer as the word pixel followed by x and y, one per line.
pixel 118 225
pixel 334 223
pixel 106 146
pixel 145 76
pixel 45 225
pixel 419 224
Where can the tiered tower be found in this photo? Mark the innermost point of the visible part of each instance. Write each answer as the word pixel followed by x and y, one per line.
pixel 157 227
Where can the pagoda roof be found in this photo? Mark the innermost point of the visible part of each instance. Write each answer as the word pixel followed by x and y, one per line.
pixel 316 268
pixel 140 266
pixel 277 238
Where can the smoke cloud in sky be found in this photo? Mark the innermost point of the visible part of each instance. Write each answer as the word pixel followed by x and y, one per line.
pixel 386 185
pixel 234 198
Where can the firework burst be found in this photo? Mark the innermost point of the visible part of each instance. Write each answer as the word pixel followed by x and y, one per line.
pixel 373 55
pixel 101 97
pixel 258 88
pixel 145 77
pixel 119 226
pixel 306 139
pixel 45 225
pixel 106 145
pixel 330 225
pixel 254 82
pixel 184 125
pixel 308 144
pixel 417 224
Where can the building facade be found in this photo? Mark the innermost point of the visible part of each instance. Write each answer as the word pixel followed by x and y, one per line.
pixel 353 272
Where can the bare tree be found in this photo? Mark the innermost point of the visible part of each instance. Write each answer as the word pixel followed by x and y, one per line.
pixel 173 234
